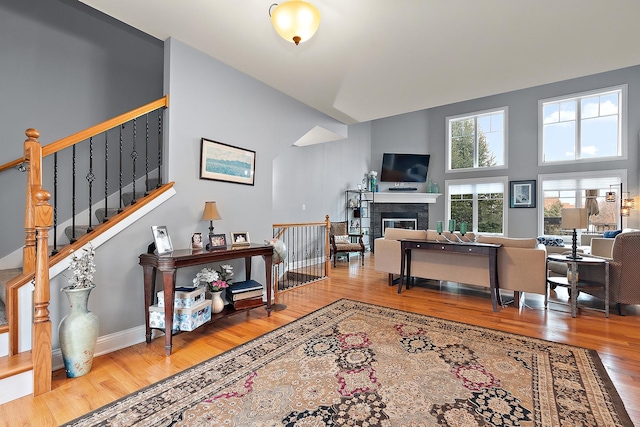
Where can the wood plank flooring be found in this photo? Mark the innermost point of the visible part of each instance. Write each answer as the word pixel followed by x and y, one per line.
pixel 117 374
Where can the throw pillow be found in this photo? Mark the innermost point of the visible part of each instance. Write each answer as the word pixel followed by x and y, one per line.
pixel 342 239
pixel 611 234
pixel 550 240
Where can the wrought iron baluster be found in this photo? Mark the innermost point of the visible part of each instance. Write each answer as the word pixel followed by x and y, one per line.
pixel 90 178
pixel 160 146
pixel 106 176
pixel 55 204
pixel 120 173
pixel 73 194
pixel 146 156
pixel 134 158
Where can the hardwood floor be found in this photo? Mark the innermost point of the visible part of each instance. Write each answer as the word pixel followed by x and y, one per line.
pixel 117 374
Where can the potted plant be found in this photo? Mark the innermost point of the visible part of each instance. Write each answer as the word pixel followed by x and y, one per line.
pixel 217 281
pixel 78 331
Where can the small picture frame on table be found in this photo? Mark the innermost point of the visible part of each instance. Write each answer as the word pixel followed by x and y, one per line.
pixel 240 238
pixel 196 241
pixel 218 241
pixel 162 239
pixel 523 194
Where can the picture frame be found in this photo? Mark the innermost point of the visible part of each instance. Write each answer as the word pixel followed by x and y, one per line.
pixel 522 194
pixel 240 238
pixel 162 239
pixel 218 241
pixel 196 241
pixel 224 162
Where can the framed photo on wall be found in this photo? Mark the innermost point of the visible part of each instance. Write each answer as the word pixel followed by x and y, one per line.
pixel 240 238
pixel 223 162
pixel 522 194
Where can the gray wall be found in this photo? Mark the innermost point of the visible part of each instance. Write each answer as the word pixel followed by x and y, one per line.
pixel 316 176
pixel 426 130
pixel 64 67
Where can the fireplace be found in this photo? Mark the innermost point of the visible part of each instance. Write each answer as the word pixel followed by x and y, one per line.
pixel 403 215
pixel 406 220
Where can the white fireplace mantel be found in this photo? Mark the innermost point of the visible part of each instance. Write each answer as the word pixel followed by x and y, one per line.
pixel 404 197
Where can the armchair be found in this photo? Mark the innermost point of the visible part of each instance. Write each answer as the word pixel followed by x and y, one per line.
pixel 340 241
pixel 624 272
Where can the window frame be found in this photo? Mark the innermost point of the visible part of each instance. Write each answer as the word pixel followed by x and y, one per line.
pixel 620 174
pixel 622 123
pixel 504 180
pixel 475 115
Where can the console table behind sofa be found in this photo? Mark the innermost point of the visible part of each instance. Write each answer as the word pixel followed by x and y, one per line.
pixel 521 262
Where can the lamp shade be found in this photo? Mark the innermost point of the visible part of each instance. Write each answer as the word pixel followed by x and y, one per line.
pixel 210 212
pixel 295 21
pixel 574 218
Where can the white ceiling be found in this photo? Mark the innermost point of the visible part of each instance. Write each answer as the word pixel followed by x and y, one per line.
pixel 372 58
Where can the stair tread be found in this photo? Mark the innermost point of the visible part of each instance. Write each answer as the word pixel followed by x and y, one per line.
pixel 14 365
pixel 5 276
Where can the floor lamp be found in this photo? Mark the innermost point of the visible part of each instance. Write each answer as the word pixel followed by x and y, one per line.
pixel 626 204
pixel 574 218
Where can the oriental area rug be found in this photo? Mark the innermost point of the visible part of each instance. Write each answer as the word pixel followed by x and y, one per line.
pixel 357 364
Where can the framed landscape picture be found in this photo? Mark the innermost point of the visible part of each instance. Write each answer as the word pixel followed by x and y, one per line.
pixel 223 162
pixel 523 194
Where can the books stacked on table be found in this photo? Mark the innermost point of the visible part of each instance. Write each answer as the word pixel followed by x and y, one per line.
pixel 245 294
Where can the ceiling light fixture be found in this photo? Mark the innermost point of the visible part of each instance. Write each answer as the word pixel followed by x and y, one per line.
pixel 295 21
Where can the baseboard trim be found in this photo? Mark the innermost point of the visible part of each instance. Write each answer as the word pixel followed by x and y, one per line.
pixel 107 344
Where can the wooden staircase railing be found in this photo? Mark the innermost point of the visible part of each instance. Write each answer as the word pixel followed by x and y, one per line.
pixel 38 220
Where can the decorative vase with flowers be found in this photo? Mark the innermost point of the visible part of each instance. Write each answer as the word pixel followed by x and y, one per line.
pixel 78 331
pixel 217 281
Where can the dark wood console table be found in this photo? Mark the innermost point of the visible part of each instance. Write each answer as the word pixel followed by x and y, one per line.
pixel 487 249
pixel 168 264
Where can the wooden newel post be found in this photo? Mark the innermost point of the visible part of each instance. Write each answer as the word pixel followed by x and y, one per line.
pixel 327 262
pixel 41 344
pixel 33 156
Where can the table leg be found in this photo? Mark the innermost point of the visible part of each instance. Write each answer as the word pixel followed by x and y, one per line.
pixel 606 288
pixel 247 268
pixel 405 257
pixel 149 282
pixel 574 288
pixel 493 279
pixel 169 282
pixel 268 260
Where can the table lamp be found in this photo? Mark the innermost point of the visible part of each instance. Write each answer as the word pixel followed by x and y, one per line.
pixel 574 218
pixel 210 214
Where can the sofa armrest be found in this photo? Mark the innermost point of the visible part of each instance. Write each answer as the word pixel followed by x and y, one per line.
pixel 387 255
pixel 602 247
pixel 522 269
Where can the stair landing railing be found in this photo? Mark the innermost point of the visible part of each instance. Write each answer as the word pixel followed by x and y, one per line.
pixel 307 254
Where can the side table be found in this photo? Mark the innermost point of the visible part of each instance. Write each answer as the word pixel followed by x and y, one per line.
pixel 575 284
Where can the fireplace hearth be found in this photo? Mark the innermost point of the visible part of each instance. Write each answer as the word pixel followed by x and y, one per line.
pixel 403 215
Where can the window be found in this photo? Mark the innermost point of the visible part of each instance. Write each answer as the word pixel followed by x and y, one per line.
pixel 477 141
pixel 569 190
pixel 583 127
pixel 478 202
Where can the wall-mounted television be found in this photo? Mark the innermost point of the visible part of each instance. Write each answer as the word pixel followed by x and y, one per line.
pixel 404 167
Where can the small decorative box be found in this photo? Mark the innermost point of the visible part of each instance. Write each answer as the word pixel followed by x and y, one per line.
pixel 184 319
pixel 192 317
pixel 184 299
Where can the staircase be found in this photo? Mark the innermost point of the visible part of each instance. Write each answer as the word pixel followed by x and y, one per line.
pixel 25 327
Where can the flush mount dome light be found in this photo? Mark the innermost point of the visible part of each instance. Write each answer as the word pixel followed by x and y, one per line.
pixel 295 21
